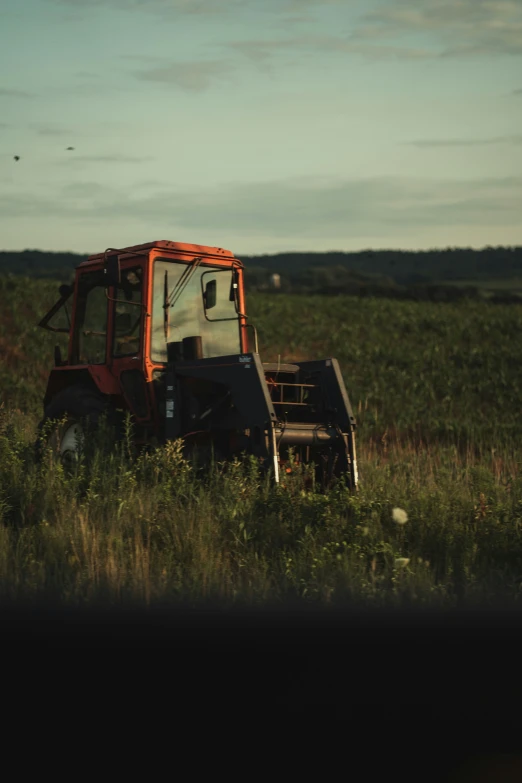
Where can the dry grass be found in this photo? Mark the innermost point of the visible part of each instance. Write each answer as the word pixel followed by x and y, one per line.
pixel 150 529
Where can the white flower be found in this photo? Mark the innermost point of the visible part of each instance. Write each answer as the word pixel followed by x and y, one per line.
pixel 399 516
pixel 402 562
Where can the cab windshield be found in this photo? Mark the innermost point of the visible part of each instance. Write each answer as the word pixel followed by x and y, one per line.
pixel 183 290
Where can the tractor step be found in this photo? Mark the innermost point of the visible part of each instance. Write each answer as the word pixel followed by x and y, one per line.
pixel 275 367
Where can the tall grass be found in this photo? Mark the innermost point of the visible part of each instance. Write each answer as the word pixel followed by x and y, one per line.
pixel 139 528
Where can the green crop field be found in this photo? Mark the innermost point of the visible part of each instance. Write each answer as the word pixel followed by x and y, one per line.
pixel 437 391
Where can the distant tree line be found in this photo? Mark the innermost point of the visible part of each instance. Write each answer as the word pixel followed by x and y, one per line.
pixel 38 263
pixel 403 281
pixel 405 267
pixel 433 275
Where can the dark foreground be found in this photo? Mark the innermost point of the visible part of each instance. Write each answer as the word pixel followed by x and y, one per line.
pixel 458 664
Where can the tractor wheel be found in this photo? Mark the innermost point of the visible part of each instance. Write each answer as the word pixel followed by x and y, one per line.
pixel 75 414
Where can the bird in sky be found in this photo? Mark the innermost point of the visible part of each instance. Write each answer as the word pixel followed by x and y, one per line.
pixel 17 157
pixel 70 148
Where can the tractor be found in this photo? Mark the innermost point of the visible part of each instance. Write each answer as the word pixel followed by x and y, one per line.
pixel 159 333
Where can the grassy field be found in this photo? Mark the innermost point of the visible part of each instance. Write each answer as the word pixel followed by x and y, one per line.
pixel 437 390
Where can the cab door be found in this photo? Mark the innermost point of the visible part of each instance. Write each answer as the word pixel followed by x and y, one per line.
pixel 127 329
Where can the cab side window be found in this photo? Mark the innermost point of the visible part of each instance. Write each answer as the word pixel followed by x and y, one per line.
pixel 90 332
pixel 128 313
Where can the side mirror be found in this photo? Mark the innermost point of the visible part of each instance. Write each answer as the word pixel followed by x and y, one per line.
pixel 210 295
pixel 112 270
pixel 65 290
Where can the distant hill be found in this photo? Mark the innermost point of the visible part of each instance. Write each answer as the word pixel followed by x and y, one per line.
pixel 404 266
pixel 402 273
pixel 38 263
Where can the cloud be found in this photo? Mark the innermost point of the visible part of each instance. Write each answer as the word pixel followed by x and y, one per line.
pixel 515 139
pixel 8 93
pixel 146 58
pixel 288 210
pixel 261 51
pixel 447 28
pixel 87 75
pixel 51 130
pixel 194 76
pixel 85 190
pixel 285 22
pixel 452 28
pixel 517 92
pixel 162 7
pixel 175 8
pixel 73 159
pixel 456 27
pixel 299 5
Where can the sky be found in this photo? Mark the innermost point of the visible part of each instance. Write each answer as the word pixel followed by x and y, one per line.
pixel 260 126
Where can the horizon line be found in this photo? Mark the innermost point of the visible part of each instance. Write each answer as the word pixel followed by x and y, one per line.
pixel 447 248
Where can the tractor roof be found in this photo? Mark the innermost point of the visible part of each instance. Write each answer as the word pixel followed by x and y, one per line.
pixel 165 244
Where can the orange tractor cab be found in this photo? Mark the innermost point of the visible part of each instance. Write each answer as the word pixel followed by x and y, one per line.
pixel 160 330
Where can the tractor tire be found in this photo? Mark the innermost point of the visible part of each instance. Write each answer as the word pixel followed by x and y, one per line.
pixel 77 411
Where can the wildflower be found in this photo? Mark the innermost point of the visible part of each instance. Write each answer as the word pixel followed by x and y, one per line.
pixel 402 562
pixel 399 516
